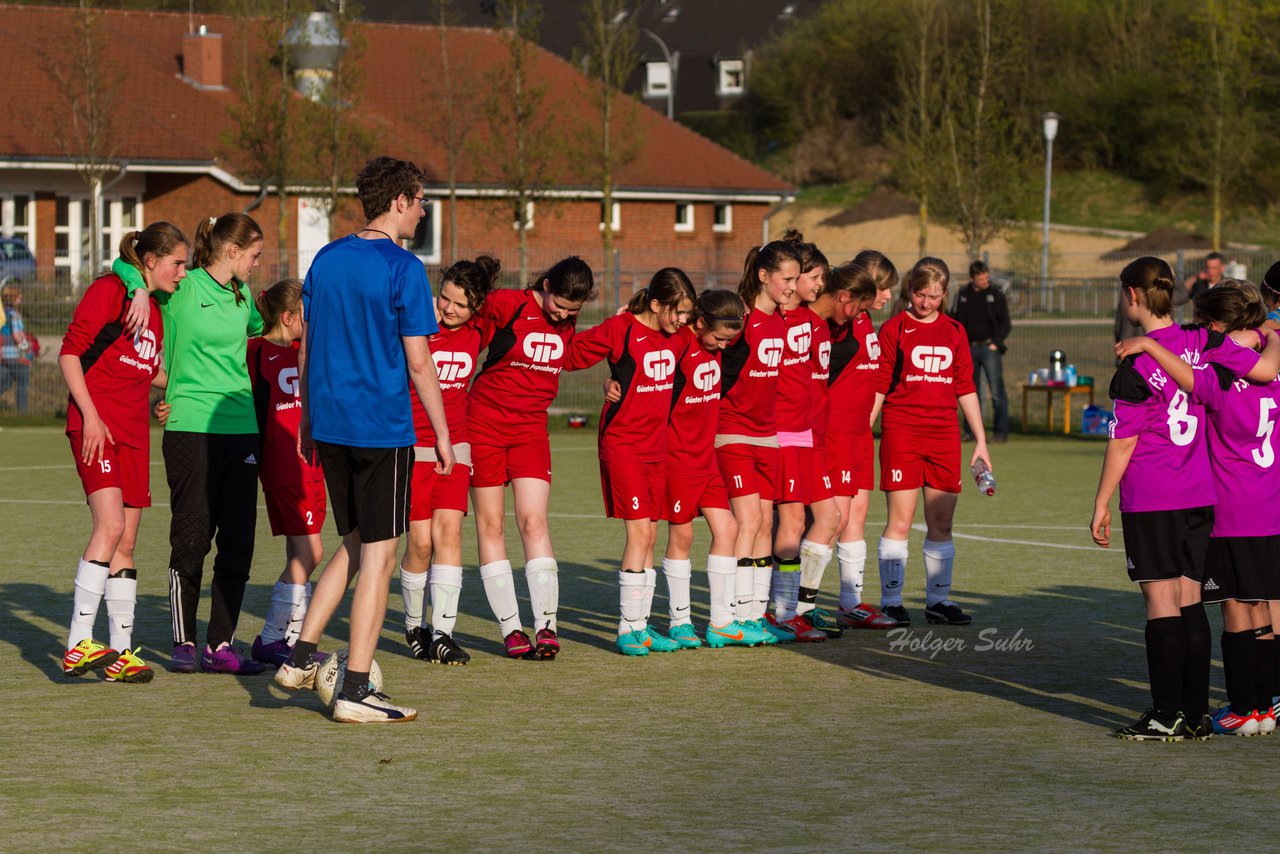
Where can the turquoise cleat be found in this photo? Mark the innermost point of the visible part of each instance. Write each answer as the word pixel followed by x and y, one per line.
pixel 659 642
pixel 684 635
pixel 634 643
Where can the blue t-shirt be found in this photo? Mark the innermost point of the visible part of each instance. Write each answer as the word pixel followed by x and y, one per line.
pixel 360 297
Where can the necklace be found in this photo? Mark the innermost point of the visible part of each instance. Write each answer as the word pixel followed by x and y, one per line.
pixel 377 231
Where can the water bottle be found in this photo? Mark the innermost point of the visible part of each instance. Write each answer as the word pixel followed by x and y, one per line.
pixel 983 477
pixel 1057 364
pixel 1070 376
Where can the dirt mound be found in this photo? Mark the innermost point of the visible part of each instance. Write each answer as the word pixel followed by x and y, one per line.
pixel 881 204
pixel 1162 240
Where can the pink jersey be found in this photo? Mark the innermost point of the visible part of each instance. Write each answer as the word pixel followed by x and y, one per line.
pixel 1169 468
pixel 1242 452
pixel 273 371
pixel 521 372
pixel 749 386
pixel 851 381
pixel 118 368
pixel 455 353
pixel 795 374
pixel 819 376
pixel 695 410
pixel 643 362
pixel 923 369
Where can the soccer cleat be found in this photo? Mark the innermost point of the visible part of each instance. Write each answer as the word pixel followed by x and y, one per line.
pixel 635 643
pixel 291 677
pixel 684 635
pixel 1201 731
pixel 1151 728
pixel 547 645
pixel 821 620
pixel 777 631
pixel 865 617
pixel 419 638
pixel 1227 722
pixel 897 614
pixel 734 633
pixel 1266 721
pixel 129 668
pixel 444 650
pixel 659 642
pixel 184 658
pixel 87 655
pixel 228 659
pixel 274 653
pixel 803 629
pixel 518 645
pixel 373 708
pixel 948 613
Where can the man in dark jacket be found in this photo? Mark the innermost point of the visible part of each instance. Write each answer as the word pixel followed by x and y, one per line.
pixel 984 313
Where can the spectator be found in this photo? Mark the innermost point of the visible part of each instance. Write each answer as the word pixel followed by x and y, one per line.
pixel 984 313
pixel 1207 277
pixel 15 359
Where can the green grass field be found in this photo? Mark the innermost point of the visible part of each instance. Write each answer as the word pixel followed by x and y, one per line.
pixel 837 746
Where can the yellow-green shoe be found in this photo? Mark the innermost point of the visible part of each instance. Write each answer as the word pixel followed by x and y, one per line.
pixel 130 668
pixel 87 655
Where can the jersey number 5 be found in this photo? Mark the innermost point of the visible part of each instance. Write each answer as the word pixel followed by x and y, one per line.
pixel 1264 455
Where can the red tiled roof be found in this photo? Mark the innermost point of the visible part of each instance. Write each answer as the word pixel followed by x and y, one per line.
pixel 170 120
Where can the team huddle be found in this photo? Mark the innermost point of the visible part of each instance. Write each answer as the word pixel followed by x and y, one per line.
pixel 751 408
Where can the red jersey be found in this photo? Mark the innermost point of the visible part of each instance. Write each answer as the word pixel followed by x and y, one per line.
pixel 118 368
pixel 273 371
pixel 643 362
pixel 851 383
pixel 521 371
pixel 795 374
pixel 924 368
pixel 455 353
pixel 749 390
pixel 821 372
pixel 695 409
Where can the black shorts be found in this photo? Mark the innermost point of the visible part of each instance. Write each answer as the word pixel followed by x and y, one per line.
pixel 1164 544
pixel 369 489
pixel 1246 569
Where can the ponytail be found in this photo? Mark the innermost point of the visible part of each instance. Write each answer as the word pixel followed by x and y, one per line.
pixel 159 239
pixel 474 278
pixel 215 234
pixel 1154 278
pixel 284 295
pixel 770 258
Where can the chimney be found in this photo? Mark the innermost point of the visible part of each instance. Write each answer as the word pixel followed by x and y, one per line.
pixel 202 59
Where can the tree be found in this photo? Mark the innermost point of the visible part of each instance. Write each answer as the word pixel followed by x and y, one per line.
pixel 455 91
pixel 913 132
pixel 609 31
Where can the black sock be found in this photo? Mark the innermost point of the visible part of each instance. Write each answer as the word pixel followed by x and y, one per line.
pixel 763 561
pixel 356 685
pixel 1166 649
pixel 809 594
pixel 1239 666
pixel 1197 651
pixel 304 653
pixel 1266 678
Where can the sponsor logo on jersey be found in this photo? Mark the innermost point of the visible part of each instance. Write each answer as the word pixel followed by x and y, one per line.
pixel 543 347
pixel 145 345
pixel 799 337
pixel 706 376
pixel 453 367
pixel 824 355
pixel 288 380
pixel 931 360
pixel 769 352
pixel 659 365
pixel 873 346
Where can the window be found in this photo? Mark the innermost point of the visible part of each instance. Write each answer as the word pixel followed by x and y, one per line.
pixel 684 216
pixel 119 216
pixel 732 79
pixel 723 221
pixel 657 79
pixel 528 216
pixel 425 242
pixel 615 221
pixel 17 218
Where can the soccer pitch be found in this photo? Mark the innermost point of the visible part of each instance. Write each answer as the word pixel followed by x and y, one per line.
pixel 853 743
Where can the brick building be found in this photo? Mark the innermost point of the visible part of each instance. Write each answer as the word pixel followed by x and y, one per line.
pixel 683 200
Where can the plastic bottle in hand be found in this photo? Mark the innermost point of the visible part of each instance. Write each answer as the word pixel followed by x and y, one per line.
pixel 983 477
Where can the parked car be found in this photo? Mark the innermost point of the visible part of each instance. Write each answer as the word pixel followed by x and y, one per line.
pixel 17 264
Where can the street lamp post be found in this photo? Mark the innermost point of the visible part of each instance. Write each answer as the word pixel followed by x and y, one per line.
pixel 1050 131
pixel 672 62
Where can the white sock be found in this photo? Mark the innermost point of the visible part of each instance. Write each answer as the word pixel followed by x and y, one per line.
pixel 412 589
pixel 786 588
pixel 939 561
pixel 814 558
pixel 446 586
pixel 285 598
pixel 893 570
pixel 743 586
pixel 721 570
pixel 543 575
pixel 91 583
pixel 631 602
pixel 852 558
pixel 678 574
pixel 298 615
pixel 761 576
pixel 122 598
pixel 500 589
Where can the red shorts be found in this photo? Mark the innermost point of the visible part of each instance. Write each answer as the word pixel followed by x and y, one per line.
pixel 121 467
pixel 433 492
pixel 818 486
pixel 910 460
pixel 851 462
pixel 499 464
pixel 633 490
pixel 793 475
pixel 687 495
pixel 296 511
pixel 749 470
